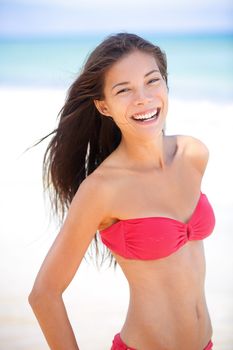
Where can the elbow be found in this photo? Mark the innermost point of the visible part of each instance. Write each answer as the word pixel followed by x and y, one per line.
pixel 35 297
pixel 39 296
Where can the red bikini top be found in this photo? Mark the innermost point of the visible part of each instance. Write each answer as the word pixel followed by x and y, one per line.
pixel 156 237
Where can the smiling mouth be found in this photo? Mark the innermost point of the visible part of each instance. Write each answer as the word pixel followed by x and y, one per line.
pixel 146 117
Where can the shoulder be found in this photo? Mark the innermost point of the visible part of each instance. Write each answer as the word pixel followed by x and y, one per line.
pixel 195 151
pixel 97 187
pixel 96 184
pixel 91 203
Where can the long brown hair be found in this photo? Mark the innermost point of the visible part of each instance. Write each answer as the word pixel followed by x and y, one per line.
pixel 84 137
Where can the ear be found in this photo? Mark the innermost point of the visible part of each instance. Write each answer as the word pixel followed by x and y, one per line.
pixel 102 107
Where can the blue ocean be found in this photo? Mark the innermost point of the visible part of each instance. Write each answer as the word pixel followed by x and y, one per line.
pixel 200 66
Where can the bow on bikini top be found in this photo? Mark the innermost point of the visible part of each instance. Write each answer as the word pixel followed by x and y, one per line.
pixel 156 237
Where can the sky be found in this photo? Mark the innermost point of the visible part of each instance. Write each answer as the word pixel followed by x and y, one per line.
pixel 44 17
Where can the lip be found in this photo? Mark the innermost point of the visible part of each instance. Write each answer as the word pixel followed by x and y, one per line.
pixel 148 122
pixel 146 111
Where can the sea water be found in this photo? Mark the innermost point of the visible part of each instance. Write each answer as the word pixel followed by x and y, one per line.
pixel 200 66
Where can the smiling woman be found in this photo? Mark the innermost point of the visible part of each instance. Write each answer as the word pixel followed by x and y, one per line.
pixel 112 170
pixel 144 88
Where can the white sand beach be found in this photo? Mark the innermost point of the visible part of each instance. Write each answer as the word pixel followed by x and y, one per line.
pixel 97 301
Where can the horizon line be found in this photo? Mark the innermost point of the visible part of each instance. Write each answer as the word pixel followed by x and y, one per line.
pixel 58 35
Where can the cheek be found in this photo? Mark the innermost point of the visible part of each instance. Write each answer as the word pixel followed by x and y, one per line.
pixel 163 94
pixel 122 104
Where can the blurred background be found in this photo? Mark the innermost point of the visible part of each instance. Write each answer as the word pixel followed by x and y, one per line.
pixel 43 45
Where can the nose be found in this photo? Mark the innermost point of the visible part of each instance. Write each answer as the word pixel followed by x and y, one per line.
pixel 142 97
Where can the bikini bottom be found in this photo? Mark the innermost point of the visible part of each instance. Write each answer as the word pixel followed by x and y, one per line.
pixel 118 344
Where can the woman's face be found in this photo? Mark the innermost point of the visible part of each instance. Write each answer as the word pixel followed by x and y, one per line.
pixel 134 88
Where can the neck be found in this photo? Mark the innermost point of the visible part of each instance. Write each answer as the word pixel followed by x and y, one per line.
pixel 148 154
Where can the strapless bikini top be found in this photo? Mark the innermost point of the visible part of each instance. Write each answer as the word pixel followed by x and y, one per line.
pixel 156 237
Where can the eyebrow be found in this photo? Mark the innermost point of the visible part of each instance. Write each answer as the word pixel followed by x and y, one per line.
pixel 127 82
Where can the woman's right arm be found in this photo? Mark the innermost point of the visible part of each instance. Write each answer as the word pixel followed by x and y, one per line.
pixel 87 209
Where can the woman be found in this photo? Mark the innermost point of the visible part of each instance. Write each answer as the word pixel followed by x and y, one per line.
pixel 117 174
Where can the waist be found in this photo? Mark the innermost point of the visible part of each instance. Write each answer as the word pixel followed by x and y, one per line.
pixel 165 325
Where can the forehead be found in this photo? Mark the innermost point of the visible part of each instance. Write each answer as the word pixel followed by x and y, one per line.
pixel 134 64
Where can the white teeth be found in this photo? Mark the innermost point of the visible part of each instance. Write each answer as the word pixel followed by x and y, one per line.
pixel 145 116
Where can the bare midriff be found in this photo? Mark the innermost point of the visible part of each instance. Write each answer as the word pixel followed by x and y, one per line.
pixel 167 306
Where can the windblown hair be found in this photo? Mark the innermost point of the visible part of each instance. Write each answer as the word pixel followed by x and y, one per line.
pixel 84 137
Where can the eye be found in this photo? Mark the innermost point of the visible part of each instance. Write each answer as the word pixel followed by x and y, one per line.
pixel 123 90
pixel 153 80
